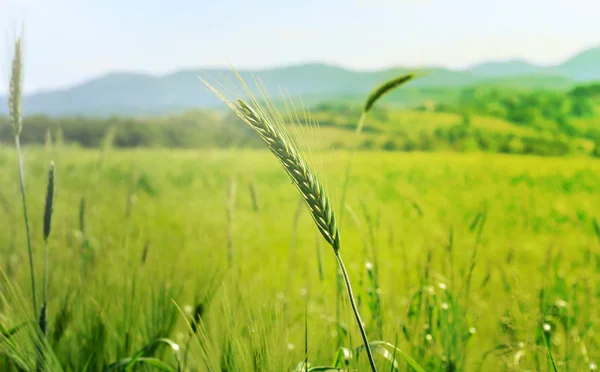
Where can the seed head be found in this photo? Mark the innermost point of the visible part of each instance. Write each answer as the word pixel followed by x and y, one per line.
pixel 49 202
pixel 16 89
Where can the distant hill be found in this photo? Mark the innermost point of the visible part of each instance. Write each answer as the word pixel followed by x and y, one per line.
pixel 505 68
pixel 584 66
pixel 137 94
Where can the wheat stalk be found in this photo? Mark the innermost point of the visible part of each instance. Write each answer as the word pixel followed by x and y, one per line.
pixel 15 99
pixel 48 209
pixel 269 127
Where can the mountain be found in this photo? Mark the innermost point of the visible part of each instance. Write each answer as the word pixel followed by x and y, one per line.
pixel 134 93
pixel 584 66
pixel 504 68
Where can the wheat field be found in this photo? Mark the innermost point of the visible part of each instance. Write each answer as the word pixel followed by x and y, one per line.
pixel 477 257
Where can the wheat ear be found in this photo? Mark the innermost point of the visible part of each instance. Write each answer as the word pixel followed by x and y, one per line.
pixel 272 133
pixel 307 184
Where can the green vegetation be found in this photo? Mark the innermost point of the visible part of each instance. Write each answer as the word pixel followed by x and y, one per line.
pixel 541 122
pixel 419 223
pixel 182 260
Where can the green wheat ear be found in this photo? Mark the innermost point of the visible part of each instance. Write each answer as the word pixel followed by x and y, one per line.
pixel 271 131
pixel 270 128
pixel 297 169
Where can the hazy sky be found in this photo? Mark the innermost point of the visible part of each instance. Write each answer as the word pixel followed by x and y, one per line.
pixel 68 41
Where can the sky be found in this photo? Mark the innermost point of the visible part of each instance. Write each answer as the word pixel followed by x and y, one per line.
pixel 70 41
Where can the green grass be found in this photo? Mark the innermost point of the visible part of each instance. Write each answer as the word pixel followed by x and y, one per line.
pixel 151 269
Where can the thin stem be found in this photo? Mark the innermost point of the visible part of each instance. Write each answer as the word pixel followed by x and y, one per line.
pixel 45 284
pixel 27 230
pixel 43 317
pixel 355 310
pixel 338 304
pixel 357 133
pixel 306 333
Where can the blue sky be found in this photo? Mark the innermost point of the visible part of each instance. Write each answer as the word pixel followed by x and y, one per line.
pixel 69 41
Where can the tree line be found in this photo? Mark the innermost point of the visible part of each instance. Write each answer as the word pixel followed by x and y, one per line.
pixel 544 111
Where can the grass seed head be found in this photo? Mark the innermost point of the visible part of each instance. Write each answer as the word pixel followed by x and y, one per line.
pixel 16 89
pixel 384 88
pixel 49 202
